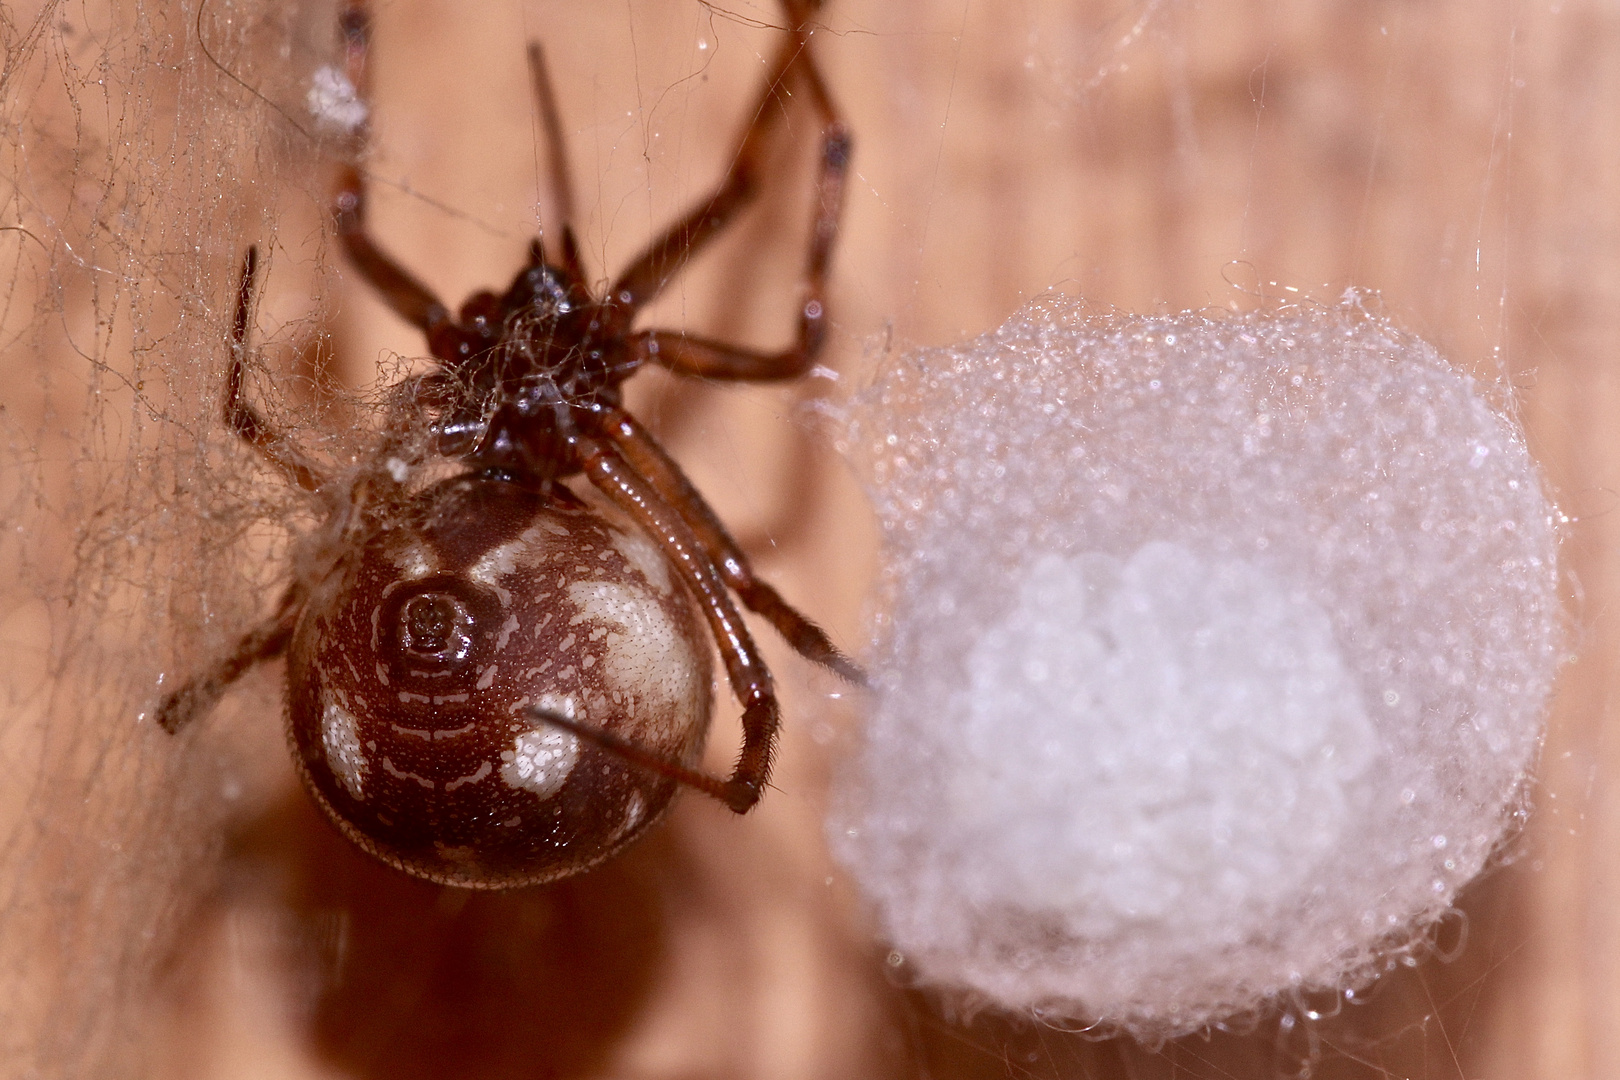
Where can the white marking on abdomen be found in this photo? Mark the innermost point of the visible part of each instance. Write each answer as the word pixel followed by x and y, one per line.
pixel 483 770
pixel 644 555
pixel 542 758
pixel 344 756
pixel 646 656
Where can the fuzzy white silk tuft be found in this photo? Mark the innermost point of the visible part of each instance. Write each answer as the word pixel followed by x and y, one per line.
pixel 1214 657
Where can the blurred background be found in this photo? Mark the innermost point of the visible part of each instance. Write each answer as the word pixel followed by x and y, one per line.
pixel 174 908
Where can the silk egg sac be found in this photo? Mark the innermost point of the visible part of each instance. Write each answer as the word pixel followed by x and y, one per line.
pixel 1213 662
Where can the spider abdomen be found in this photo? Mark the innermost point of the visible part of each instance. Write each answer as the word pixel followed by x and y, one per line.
pixel 418 665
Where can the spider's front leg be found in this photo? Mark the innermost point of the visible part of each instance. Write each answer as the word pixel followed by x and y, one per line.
pixel 667 255
pixel 745 669
pixel 644 454
pixel 411 300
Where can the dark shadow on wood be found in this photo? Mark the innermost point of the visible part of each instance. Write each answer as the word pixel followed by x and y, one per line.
pixel 423 981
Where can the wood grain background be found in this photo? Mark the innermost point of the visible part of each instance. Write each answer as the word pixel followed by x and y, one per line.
pixel 1460 157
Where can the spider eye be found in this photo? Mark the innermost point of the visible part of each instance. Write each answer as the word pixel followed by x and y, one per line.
pixel 435 626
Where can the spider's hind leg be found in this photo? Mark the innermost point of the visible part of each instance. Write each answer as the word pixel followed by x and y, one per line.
pixel 198 695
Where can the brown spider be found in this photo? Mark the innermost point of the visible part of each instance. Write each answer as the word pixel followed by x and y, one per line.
pixel 490 681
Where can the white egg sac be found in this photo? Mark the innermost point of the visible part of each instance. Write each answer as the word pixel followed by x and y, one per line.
pixel 1213 658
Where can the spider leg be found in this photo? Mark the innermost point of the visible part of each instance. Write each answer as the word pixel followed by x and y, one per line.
pixel 413 301
pixel 562 187
pixel 666 255
pixel 706 358
pixel 199 694
pixel 750 680
pixel 640 756
pixel 241 417
pixel 642 452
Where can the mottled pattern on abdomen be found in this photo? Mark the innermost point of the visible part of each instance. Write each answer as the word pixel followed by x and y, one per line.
pixel 417 661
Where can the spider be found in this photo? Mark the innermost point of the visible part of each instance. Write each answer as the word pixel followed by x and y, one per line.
pixel 493 679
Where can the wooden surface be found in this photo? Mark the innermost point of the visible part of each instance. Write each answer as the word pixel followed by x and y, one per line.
pixel 175 909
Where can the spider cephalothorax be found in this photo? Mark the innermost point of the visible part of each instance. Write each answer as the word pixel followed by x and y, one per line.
pixel 493 681
pixel 519 367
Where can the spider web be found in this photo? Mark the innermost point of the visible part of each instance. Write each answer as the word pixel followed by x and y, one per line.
pixel 136 168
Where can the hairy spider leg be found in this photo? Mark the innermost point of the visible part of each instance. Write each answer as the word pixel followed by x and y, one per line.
pixel 559 180
pixel 411 300
pixel 240 416
pixel 736 795
pixel 400 289
pixel 750 679
pixel 642 452
pixel 197 695
pixel 665 257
